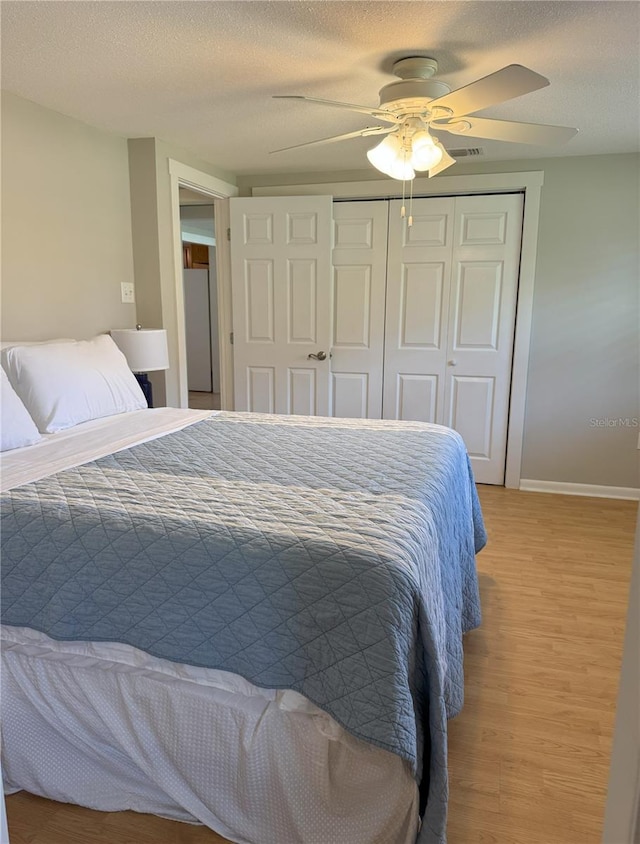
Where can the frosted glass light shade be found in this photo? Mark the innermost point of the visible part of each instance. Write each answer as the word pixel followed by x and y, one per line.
pixel 145 349
pixel 389 157
pixel 425 154
pixel 401 170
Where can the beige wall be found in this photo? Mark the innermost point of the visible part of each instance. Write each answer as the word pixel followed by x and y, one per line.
pixel 66 225
pixel 152 226
pixel 75 200
pixel 583 364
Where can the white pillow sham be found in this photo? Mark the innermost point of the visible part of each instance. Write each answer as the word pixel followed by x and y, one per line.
pixel 64 384
pixel 17 428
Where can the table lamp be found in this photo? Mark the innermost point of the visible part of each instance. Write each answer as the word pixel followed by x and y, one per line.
pixel 146 351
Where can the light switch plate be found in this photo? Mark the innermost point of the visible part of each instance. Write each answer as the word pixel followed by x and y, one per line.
pixel 128 292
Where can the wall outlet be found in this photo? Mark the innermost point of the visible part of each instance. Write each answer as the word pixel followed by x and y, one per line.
pixel 128 292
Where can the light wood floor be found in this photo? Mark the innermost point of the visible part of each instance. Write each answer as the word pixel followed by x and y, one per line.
pixel 204 401
pixel 529 754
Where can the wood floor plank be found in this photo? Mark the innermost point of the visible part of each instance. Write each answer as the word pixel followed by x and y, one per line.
pixel 542 672
pixel 529 754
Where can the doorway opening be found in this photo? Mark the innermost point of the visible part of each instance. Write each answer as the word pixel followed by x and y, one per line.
pixel 200 287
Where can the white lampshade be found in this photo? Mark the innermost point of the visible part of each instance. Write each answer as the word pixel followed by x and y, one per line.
pixel 425 154
pixel 145 349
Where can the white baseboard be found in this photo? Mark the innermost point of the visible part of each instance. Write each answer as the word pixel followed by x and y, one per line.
pixel 591 490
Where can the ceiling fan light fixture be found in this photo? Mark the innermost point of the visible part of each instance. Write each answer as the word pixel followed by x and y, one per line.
pixel 389 157
pixel 402 171
pixel 425 152
pixel 416 103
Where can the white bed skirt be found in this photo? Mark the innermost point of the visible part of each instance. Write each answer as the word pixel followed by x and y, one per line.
pixel 106 726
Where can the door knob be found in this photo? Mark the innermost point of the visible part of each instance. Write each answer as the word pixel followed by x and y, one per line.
pixel 319 356
pixel 453 362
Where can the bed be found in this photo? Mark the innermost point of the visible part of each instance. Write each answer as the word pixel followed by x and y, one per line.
pixel 253 622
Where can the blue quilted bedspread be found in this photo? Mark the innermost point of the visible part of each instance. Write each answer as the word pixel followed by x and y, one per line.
pixel 333 557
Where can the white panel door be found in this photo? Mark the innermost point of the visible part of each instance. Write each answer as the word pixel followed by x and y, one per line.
pixel 418 283
pixel 484 289
pixel 281 291
pixel 452 282
pixel 359 270
pixel 198 328
pixel 426 334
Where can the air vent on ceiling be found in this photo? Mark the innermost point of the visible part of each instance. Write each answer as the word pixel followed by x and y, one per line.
pixel 463 153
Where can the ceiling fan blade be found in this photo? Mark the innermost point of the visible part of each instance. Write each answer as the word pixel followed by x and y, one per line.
pixel 378 113
pixel 445 161
pixel 507 130
pixel 505 84
pixel 360 133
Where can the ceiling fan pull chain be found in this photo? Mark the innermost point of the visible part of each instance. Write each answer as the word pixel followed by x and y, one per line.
pixel 410 223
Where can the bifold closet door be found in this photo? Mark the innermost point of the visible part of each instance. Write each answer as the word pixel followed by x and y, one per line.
pixel 412 323
pixel 484 289
pixel 358 297
pixel 418 282
pixel 452 281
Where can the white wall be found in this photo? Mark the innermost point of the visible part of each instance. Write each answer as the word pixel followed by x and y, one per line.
pixel 66 225
pixel 583 364
pixel 197 224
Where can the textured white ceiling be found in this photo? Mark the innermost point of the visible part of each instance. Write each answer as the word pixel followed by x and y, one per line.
pixel 201 74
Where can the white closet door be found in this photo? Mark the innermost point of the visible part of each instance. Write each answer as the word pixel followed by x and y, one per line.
pixel 418 282
pixel 484 287
pixel 452 282
pixel 437 350
pixel 281 287
pixel 359 270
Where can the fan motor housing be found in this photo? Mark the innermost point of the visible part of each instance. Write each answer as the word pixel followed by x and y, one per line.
pixel 407 94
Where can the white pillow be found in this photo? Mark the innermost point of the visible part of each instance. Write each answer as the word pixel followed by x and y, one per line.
pixel 6 344
pixel 17 428
pixel 63 384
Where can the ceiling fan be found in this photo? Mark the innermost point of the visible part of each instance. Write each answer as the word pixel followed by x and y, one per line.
pixel 416 106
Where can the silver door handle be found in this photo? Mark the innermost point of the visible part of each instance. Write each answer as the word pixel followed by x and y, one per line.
pixel 452 362
pixel 319 356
